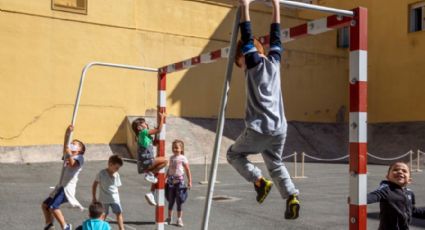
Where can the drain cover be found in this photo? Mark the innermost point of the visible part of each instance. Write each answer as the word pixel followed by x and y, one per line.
pixel 224 198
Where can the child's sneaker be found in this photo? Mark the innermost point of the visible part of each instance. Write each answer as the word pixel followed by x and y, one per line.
pixel 180 222
pixel 150 177
pixel 150 198
pixel 263 190
pixel 168 221
pixel 49 226
pixel 68 227
pixel 292 207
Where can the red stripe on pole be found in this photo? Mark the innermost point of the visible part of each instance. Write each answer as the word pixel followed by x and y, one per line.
pixel 358 216
pixel 358 97
pixel 298 31
pixel 162 81
pixel 358 31
pixel 335 21
pixel 178 66
pixel 358 158
pixel 159 214
pixel 161 148
pixel 163 69
pixel 216 54
pixel 161 183
pixel 196 60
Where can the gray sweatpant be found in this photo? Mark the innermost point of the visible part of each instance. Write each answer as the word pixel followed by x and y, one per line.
pixel 271 148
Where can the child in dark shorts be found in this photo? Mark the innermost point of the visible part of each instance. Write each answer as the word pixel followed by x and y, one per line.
pixel 147 162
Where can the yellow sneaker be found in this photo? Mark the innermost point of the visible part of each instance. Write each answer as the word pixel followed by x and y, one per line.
pixel 263 190
pixel 292 207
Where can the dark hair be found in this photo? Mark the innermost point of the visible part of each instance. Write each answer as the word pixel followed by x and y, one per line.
pixel 397 162
pixel 83 147
pixel 96 210
pixel 116 160
pixel 177 141
pixel 239 53
pixel 136 123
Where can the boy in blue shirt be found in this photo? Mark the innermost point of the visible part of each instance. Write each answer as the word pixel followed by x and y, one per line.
pixel 265 122
pixel 96 222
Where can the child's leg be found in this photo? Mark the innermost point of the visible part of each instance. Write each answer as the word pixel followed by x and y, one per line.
pixel 158 164
pixel 249 142
pixel 48 218
pixel 171 200
pixel 273 159
pixel 120 221
pixel 179 207
pixel 57 213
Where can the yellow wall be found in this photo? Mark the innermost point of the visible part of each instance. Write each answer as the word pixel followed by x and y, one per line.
pixel 43 52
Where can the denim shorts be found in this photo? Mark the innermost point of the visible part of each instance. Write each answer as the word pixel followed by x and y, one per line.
pixel 145 158
pixel 56 201
pixel 116 208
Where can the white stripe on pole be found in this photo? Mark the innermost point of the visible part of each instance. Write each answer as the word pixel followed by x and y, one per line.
pixel 285 35
pixel 161 195
pixel 358 131
pixel 358 195
pixel 358 65
pixel 317 26
pixel 187 64
pixel 163 132
pixel 206 58
pixel 162 98
pixel 225 52
pixel 170 68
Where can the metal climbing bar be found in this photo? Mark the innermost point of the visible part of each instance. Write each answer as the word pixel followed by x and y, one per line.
pixel 80 89
pixel 306 6
pixel 221 119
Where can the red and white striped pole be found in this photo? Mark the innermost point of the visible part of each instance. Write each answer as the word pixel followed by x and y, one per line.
pixel 358 121
pixel 162 99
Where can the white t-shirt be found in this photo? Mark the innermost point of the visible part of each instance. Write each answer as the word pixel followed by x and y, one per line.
pixel 108 187
pixel 70 179
pixel 176 168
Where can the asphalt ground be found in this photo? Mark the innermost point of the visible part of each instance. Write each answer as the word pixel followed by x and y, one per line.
pixel 323 196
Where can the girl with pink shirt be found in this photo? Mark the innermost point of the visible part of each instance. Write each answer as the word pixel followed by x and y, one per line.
pixel 175 187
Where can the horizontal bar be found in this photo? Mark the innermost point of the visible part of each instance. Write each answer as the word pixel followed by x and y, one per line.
pixel 301 5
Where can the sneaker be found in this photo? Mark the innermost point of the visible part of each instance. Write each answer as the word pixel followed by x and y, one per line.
pixel 49 226
pixel 150 198
pixel 68 227
pixel 180 222
pixel 263 190
pixel 150 177
pixel 168 221
pixel 292 207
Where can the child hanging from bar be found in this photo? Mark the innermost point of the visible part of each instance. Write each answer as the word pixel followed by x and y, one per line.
pixel 265 122
pixel 147 162
pixel 65 191
pixel 396 201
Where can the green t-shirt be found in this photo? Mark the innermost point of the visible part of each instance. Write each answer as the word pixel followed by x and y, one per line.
pixel 144 139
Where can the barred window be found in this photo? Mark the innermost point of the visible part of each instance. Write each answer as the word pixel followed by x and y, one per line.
pixel 343 37
pixel 73 6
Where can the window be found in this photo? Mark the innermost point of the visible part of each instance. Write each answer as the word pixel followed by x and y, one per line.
pixel 343 37
pixel 73 6
pixel 417 17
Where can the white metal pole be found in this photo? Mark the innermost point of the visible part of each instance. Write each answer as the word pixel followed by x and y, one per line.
pixel 221 119
pixel 80 90
pixel 301 5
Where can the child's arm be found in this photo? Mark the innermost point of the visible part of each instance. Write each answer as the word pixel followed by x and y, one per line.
pixel 248 49
pixel 94 190
pixel 275 43
pixel 376 196
pixel 161 122
pixel 68 132
pixel 188 174
pixel 417 212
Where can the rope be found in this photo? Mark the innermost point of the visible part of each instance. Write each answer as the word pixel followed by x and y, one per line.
pixel 283 158
pixel 389 159
pixel 421 151
pixel 320 159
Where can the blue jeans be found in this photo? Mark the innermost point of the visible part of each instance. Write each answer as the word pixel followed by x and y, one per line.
pixel 271 148
pixel 58 199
